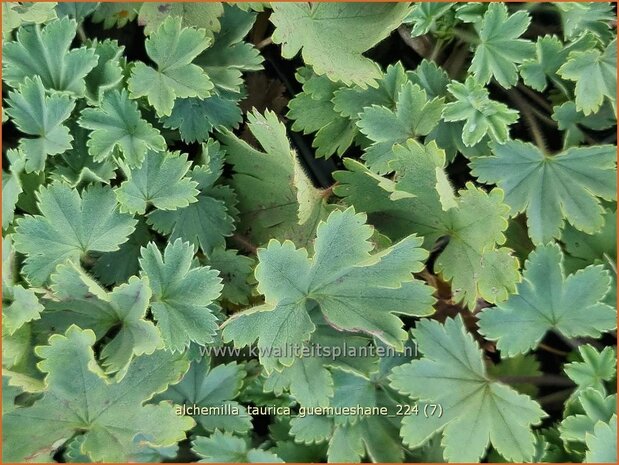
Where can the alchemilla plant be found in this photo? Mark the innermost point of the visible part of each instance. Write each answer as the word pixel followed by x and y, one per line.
pixel 297 232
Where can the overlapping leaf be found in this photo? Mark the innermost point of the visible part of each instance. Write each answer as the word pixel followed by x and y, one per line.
pixel 477 411
pixel 422 201
pixel 288 209
pixel 207 386
pixel 117 127
pixel 500 48
pixel 42 117
pixel 79 398
pixel 182 294
pixel 160 182
pixel 332 37
pixel 415 115
pixel 78 299
pixel 595 74
pixel 222 447
pixel 552 188
pixel 45 52
pixel 482 115
pixel 346 282
pixel 205 222
pixel 547 300
pixel 173 48
pixel 69 227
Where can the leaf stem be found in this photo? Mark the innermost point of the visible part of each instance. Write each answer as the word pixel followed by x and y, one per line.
pixel 529 116
pixel 244 243
pixel 552 350
pixel 535 96
pixel 436 51
pixel 466 36
pixel 556 397
pixel 264 43
pixel 611 263
pixel 81 33
pixel 421 45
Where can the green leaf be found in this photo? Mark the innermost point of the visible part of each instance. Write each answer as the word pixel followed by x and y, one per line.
pixel 172 48
pixel 11 186
pixel 69 227
pixel 108 74
pixel 76 10
pixel 211 387
pixel 550 54
pixel 116 267
pixel 288 209
pixel 19 306
pixel 208 221
pixel 595 74
pixel 333 37
pixel 45 52
pixel 160 182
pixel 582 17
pixel 78 397
pixel 81 300
pixel 476 411
pixel 343 279
pixel 42 117
pixel 198 15
pixel 547 300
pixel 602 443
pixel 600 248
pixel 76 166
pixel 230 56
pixel 554 188
pixel 116 14
pixel 235 271
pixel 521 365
pixel 415 115
pixel 222 447
pixel 196 118
pixel 117 127
pixel 14 14
pixel 313 110
pixel 593 408
pixel 500 49
pixel 595 367
pixel 422 202
pixel 483 116
pixel 182 294
pixel 424 16
pixel 350 101
pixel 575 124
pixel 591 248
